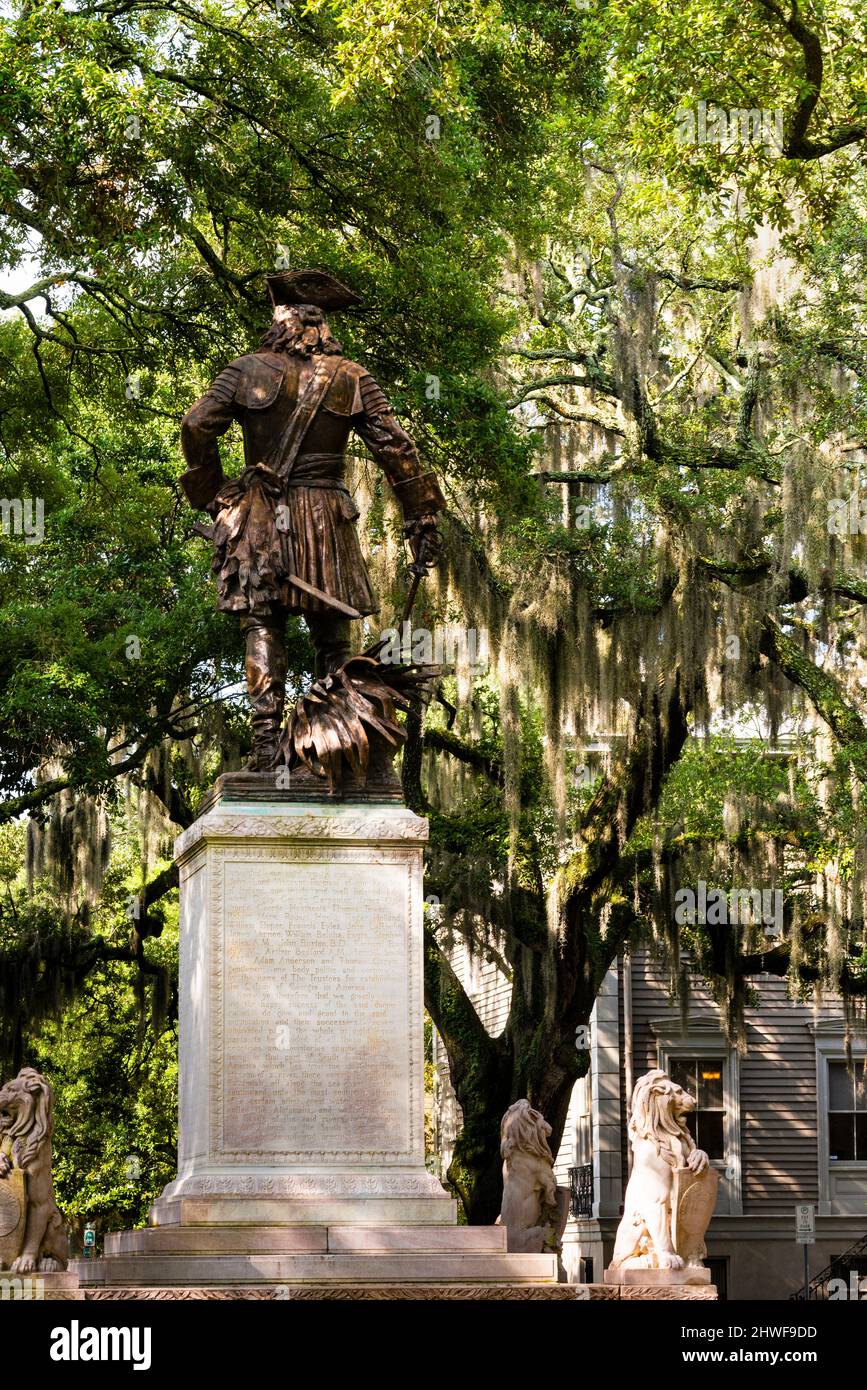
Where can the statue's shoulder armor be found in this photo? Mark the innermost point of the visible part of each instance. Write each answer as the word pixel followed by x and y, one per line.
pixel 252 381
pixel 354 392
pixel 341 398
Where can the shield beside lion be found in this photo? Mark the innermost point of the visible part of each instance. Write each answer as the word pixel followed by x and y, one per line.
pixel 693 1199
pixel 13 1216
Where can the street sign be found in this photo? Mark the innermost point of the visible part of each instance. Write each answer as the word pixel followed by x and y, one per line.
pixel 805 1223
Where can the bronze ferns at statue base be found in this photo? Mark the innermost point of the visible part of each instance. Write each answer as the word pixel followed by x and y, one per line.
pixel 347 719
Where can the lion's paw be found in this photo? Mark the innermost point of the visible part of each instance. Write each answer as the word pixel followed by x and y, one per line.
pixel 48 1265
pixel 671 1261
pixel 25 1264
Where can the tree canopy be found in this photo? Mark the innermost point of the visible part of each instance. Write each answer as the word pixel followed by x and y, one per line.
pixel 612 257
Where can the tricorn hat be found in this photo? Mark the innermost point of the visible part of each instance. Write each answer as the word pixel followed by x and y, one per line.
pixel 309 287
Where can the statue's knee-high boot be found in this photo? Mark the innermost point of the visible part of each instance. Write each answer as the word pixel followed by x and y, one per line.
pixel 265 664
pixel 329 633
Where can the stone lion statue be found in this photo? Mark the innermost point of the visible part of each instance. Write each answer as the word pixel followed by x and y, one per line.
pixel 534 1209
pixel 26 1123
pixel 671 1192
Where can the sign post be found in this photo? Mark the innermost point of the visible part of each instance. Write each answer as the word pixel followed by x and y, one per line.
pixel 805 1234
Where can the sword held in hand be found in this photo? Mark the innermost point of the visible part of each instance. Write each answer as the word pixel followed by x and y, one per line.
pixel 426 545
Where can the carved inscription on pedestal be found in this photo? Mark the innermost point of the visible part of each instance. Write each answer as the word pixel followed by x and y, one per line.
pixel 313 1038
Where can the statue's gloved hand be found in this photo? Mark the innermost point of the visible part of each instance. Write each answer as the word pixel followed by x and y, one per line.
pixel 425 541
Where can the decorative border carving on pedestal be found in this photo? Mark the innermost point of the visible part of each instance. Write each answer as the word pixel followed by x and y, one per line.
pixel 291 853
pixel 371 828
pixel 341 1293
pixel 667 1293
pixel 303 1185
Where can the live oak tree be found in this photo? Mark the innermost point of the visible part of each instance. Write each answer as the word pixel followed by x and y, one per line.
pixel 703 429
pixel 157 161
pixel 637 364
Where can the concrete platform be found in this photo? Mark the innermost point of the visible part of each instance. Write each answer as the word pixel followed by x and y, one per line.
pixel 200 1255
pixel 384 1267
pixel 245 1250
pixel 285 1240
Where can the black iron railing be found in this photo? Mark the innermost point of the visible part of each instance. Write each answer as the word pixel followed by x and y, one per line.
pixel 839 1268
pixel 581 1190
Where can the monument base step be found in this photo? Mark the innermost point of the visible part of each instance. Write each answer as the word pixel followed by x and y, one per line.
pixel 291 1240
pixel 298 1211
pixel 358 1267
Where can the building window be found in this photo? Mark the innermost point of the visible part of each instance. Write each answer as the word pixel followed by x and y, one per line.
pixel 583 1122
pixel 703 1078
pixel 847 1112
pixel 841 1111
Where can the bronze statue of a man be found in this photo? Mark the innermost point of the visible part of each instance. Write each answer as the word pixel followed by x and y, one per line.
pixel 284 532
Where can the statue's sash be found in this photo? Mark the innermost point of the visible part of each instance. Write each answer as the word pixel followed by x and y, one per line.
pixel 282 458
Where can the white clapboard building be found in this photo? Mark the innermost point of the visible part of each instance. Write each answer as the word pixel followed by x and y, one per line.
pixel 784 1122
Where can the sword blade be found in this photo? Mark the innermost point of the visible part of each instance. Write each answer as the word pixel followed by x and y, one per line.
pixel 323 597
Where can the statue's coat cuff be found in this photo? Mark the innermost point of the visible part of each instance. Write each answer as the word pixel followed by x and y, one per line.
pixel 419 495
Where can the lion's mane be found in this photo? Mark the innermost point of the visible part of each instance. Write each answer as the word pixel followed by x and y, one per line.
pixel 32 1125
pixel 653 1119
pixel 524 1130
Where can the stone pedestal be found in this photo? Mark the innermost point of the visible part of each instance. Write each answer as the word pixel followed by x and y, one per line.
pixel 693 1275
pixel 646 1292
pixel 301 1155
pixel 691 1282
pixel 301 1049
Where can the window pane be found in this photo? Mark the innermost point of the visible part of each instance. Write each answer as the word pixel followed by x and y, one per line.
pixel 710 1133
pixel 841 1136
pixel 703 1078
pixel 861 1135
pixel 682 1070
pixel 860 1087
pixel 710 1085
pixel 841 1087
pixel 583 1141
